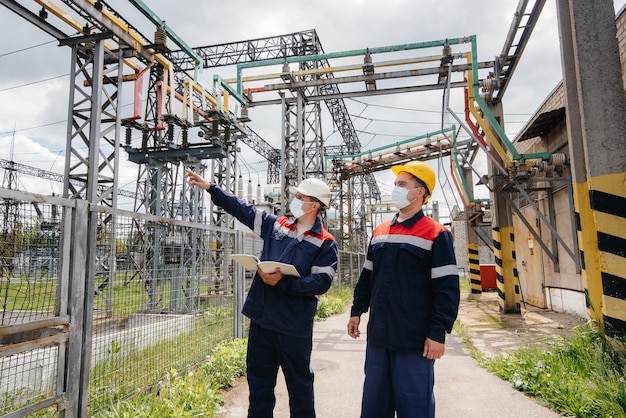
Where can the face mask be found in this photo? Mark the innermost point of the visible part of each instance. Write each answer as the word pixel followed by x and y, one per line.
pixel 295 206
pixel 400 197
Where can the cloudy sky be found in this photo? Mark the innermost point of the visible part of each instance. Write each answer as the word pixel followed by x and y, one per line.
pixel 34 70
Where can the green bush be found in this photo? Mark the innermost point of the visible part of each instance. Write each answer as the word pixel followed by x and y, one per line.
pixel 581 376
pixel 333 302
pixel 192 394
pixel 197 392
pixel 226 363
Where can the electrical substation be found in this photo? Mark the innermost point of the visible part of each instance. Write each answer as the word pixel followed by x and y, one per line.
pixel 551 227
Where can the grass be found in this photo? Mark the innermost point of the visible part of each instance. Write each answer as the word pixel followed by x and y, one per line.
pixel 27 294
pixel 192 387
pixel 118 378
pixel 582 375
pixel 40 294
pixel 333 302
pixel 464 283
pixel 196 392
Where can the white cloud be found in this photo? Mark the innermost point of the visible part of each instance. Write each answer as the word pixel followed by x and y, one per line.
pixel 26 152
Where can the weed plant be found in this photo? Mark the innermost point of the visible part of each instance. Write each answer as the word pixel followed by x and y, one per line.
pixel 197 392
pixel 120 376
pixel 582 375
pixel 333 302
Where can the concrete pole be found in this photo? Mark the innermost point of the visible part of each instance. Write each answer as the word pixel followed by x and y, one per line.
pixel 596 124
pixel 435 211
pixel 504 240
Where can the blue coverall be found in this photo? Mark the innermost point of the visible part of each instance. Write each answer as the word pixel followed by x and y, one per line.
pixel 410 284
pixel 281 316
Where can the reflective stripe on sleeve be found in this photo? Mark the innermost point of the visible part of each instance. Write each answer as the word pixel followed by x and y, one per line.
pixel 442 271
pixel 258 222
pixel 323 270
pixel 368 265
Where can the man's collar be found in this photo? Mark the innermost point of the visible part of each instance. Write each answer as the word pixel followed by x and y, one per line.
pixel 411 221
pixel 316 228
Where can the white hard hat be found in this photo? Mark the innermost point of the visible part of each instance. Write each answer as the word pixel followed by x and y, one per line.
pixel 315 188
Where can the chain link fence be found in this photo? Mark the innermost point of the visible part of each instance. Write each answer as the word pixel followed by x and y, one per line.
pixel 132 296
pixel 98 304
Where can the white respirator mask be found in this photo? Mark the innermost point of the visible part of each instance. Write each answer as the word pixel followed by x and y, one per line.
pixel 400 197
pixel 295 206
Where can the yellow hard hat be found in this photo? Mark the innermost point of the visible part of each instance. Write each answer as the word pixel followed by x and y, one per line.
pixel 422 171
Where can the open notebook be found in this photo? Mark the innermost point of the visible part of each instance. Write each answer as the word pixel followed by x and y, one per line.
pixel 250 262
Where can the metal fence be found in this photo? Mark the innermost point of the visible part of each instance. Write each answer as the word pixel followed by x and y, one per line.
pixel 350 264
pixel 98 303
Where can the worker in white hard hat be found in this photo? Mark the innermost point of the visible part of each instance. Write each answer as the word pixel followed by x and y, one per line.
pixel 410 285
pixel 311 196
pixel 282 308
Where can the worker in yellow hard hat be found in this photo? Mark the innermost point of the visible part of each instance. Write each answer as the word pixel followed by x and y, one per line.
pixel 410 285
pixel 422 172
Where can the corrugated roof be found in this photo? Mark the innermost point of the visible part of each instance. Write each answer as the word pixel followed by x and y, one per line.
pixel 543 124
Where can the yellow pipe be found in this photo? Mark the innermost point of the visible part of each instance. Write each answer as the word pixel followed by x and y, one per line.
pixel 493 140
pixel 158 57
pixel 123 26
pixel 326 70
pixel 198 89
pixel 193 107
pixel 78 27
pixel 226 96
pixel 420 143
pixel 456 175
pixel 58 12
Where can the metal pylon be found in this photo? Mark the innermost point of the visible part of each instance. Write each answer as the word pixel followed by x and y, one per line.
pixel 93 139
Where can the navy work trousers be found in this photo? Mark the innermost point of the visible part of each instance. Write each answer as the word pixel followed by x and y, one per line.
pixel 267 350
pixel 397 382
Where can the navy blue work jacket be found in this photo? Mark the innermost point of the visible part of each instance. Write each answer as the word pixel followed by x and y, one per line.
pixel 410 284
pixel 288 307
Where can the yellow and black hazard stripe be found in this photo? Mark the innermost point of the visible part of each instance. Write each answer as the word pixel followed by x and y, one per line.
pixel 589 256
pixel 473 261
pixel 506 270
pixel 608 206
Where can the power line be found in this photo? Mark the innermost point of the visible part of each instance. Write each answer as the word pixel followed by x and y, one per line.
pixel 424 110
pixel 44 125
pixel 33 127
pixel 395 107
pixel 48 175
pixel 34 82
pixel 396 121
pixel 26 49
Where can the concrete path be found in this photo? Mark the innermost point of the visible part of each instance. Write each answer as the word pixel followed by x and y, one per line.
pixel 462 388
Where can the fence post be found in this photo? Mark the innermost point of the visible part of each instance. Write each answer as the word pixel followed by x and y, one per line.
pixel 239 290
pixel 81 286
